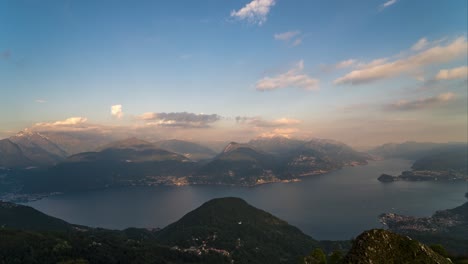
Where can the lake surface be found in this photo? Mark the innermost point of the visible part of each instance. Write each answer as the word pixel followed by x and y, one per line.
pixel 337 205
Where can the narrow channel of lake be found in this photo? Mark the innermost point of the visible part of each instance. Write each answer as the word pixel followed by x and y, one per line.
pixel 338 205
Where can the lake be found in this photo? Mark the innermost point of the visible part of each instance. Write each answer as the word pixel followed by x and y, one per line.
pixel 337 205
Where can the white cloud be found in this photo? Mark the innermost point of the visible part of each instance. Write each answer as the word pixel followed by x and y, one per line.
pixel 292 78
pixel 116 111
pixel 420 45
pixel 67 122
pixel 255 12
pixel 451 74
pixel 345 63
pixel 286 36
pixel 40 101
pixel 387 4
pixel 424 103
pixel 297 42
pixel 409 65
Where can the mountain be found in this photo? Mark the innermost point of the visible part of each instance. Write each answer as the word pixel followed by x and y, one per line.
pixel 411 150
pixel 129 143
pixel 28 149
pixel 276 145
pixel 238 164
pixel 448 228
pixel 119 165
pixel 454 158
pixel 25 217
pixel 74 142
pixel 11 155
pixel 191 150
pixel 380 246
pixel 248 234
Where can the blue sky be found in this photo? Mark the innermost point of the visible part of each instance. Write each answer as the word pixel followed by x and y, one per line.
pixel 275 63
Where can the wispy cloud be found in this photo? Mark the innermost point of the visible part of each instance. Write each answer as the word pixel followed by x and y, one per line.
pixel 179 119
pixel 424 103
pixel 407 65
pixel 345 63
pixel 280 132
pixel 293 37
pixel 292 78
pixel 255 12
pixel 451 74
pixel 40 101
pixel 67 122
pixel 420 45
pixel 116 111
pixel 387 4
pixel 260 122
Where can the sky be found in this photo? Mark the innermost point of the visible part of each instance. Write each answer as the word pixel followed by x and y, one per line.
pixel 362 72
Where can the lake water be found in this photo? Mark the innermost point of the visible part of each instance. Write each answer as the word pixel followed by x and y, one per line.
pixel 338 205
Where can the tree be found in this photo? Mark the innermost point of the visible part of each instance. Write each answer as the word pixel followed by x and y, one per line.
pixel 316 257
pixel 336 257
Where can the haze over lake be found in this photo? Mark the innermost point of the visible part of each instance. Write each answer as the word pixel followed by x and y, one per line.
pixel 337 205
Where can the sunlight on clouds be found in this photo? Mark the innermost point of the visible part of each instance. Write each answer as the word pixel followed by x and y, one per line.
pixel 254 12
pixel 420 45
pixel 116 111
pixel 424 103
pixel 451 74
pixel 412 64
pixel 292 78
pixel 66 122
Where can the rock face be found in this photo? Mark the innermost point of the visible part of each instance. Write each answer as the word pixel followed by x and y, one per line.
pixel 380 246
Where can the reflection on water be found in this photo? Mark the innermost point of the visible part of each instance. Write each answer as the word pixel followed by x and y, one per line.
pixel 338 205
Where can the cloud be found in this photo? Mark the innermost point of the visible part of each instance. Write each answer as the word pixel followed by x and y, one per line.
pixel 5 55
pixel 292 78
pixel 280 132
pixel 40 101
pixel 420 45
pixel 179 119
pixel 424 103
pixel 255 12
pixel 293 37
pixel 259 122
pixel 412 64
pixel 287 36
pixel 451 74
pixel 116 111
pixel 387 4
pixel 72 121
pixel 345 63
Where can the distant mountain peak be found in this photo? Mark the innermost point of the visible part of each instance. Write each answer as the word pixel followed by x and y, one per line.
pixel 234 146
pixel 131 142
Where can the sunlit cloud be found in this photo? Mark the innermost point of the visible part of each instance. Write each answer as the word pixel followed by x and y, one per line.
pixel 260 122
pixel 420 45
pixel 451 74
pixel 408 65
pixel 424 103
pixel 255 12
pixel 72 121
pixel 280 132
pixel 179 119
pixel 292 78
pixel 116 111
pixel 345 64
